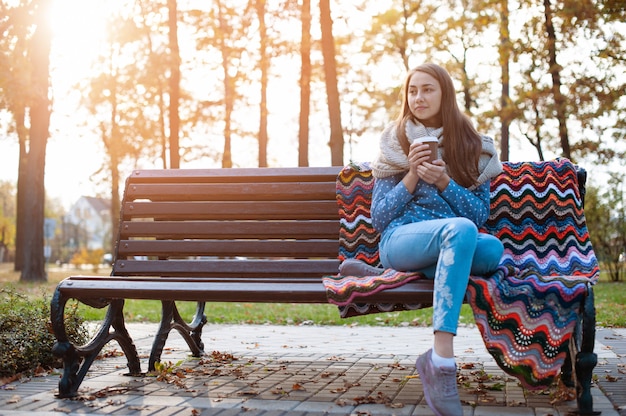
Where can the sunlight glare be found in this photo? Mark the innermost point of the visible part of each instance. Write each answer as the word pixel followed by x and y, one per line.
pixel 78 38
pixel 78 29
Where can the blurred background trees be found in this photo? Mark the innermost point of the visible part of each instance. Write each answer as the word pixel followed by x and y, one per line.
pixel 285 82
pixel 606 219
pixel 26 42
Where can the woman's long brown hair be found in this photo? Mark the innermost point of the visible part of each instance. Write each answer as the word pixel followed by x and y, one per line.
pixel 461 142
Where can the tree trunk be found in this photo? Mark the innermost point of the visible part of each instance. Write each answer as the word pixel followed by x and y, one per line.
pixel 33 263
pixel 115 200
pixel 305 85
pixel 264 66
pixel 505 98
pixel 174 84
pixel 227 160
pixel 20 217
pixel 113 145
pixel 163 139
pixel 559 99
pixel 332 92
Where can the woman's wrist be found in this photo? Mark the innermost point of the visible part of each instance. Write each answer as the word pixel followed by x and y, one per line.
pixel 410 181
pixel 443 182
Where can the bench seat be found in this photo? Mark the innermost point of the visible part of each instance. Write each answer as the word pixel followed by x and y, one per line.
pixel 226 289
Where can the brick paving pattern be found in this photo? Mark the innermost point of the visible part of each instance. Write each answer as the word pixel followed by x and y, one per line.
pixel 307 371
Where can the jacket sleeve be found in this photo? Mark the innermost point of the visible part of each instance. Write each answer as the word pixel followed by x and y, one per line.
pixel 389 199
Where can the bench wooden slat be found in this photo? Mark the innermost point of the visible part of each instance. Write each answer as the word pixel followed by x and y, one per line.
pixel 238 175
pixel 227 267
pixel 265 248
pixel 302 210
pixel 296 191
pixel 230 230
pixel 230 290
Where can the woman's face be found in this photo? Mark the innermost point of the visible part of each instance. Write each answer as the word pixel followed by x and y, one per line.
pixel 424 99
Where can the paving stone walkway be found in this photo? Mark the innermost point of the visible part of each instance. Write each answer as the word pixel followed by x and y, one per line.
pixel 307 371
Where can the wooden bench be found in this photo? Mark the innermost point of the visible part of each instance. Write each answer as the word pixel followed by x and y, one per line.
pixel 229 235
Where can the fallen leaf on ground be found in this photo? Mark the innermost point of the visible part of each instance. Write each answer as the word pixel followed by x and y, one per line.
pixel 14 399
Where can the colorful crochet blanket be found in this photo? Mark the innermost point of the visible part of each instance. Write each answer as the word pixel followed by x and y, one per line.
pixel 359 240
pixel 527 311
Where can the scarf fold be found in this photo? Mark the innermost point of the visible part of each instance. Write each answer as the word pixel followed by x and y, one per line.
pixel 392 160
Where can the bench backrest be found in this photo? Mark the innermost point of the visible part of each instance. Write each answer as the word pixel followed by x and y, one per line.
pixel 225 222
pixel 536 211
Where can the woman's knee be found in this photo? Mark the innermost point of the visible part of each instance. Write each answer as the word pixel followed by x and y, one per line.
pixel 489 251
pixel 464 230
pixel 492 248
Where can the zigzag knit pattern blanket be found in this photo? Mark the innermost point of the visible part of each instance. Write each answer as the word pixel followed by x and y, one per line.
pixel 527 310
pixel 359 240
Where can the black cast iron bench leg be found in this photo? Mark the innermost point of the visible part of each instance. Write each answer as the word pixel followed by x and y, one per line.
pixel 191 333
pixel 581 360
pixel 77 360
pixel 586 359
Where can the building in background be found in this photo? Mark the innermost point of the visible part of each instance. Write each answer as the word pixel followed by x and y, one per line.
pixel 87 224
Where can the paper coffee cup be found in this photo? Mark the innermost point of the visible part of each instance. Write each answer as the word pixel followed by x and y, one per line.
pixel 433 145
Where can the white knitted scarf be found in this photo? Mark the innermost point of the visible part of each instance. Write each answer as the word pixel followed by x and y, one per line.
pixel 392 160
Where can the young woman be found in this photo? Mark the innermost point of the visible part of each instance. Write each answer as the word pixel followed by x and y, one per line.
pixel 429 213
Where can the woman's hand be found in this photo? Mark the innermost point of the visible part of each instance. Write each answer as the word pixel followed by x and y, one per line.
pixel 418 154
pixel 420 168
pixel 434 173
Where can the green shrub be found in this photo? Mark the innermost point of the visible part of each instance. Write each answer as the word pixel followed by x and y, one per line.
pixel 25 337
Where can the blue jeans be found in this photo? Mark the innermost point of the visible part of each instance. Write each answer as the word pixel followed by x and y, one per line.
pixel 447 250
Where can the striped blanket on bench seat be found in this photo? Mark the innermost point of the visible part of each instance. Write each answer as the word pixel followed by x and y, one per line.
pixel 528 309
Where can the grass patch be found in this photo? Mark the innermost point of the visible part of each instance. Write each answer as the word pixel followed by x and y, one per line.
pixel 226 312
pixel 272 313
pixel 610 300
